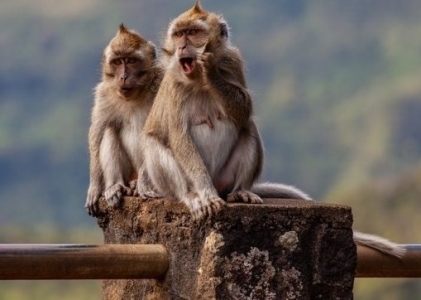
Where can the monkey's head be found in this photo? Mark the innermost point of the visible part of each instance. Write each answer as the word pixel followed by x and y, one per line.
pixel 127 63
pixel 192 33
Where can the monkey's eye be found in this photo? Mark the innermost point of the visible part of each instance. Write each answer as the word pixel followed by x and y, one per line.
pixel 178 33
pixel 116 61
pixel 131 60
pixel 193 31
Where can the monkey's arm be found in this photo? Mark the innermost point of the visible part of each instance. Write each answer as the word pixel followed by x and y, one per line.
pixel 187 154
pixel 96 177
pixel 203 199
pixel 226 78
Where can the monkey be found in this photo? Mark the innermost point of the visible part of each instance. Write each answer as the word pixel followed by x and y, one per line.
pixel 130 78
pixel 201 143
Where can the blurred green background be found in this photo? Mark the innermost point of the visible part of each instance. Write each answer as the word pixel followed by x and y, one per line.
pixel 337 92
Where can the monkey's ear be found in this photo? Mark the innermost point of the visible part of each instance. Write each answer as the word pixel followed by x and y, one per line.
pixel 154 55
pixel 223 30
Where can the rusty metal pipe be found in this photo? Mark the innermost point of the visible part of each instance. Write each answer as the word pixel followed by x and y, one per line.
pixel 371 263
pixel 48 261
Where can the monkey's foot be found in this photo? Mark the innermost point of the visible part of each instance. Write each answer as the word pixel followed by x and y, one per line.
pixel 203 208
pixel 149 194
pixel 91 204
pixel 244 196
pixel 132 189
pixel 114 194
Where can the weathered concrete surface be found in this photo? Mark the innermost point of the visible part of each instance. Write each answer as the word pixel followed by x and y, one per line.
pixel 283 249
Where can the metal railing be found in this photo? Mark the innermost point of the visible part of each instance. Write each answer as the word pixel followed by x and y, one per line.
pixel 50 261
pixel 371 263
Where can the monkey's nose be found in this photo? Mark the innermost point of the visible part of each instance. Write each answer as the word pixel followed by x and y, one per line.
pixel 123 77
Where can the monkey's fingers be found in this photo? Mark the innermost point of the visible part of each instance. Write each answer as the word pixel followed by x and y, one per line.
pixel 133 184
pixel 198 208
pixel 217 204
pixel 91 210
pixel 115 200
pixel 249 197
pixel 150 194
pixel 198 214
pixel 233 197
pixel 132 189
pixel 202 49
pixel 91 204
pixel 207 58
pixel 114 194
pixel 206 210
pixel 128 191
pixel 244 196
pixel 214 206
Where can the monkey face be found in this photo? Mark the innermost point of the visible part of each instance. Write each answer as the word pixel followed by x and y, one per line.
pixel 190 35
pixel 128 71
pixel 189 41
pixel 127 62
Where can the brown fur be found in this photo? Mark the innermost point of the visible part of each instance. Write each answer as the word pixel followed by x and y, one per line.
pixel 201 142
pixel 123 98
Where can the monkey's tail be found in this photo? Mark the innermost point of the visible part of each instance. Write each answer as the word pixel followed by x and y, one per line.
pixel 378 243
pixel 278 190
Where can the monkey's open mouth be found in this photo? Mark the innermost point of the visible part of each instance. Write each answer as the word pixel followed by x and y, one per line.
pixel 187 63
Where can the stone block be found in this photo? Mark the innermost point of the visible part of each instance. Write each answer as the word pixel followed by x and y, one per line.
pixel 282 249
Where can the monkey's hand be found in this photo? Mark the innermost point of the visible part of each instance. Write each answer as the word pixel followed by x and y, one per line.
pixel 114 194
pixel 145 190
pixel 150 194
pixel 208 66
pixel 132 189
pixel 244 196
pixel 91 205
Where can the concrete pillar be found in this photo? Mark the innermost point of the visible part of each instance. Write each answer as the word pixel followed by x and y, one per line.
pixel 282 249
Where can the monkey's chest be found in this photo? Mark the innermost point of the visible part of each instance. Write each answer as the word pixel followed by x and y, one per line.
pixel 214 140
pixel 130 136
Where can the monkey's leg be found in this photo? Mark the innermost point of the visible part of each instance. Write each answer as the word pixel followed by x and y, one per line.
pixel 170 180
pixel 116 166
pixel 241 170
pixel 143 186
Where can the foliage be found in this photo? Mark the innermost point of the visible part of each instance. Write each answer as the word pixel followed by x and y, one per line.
pixel 49 289
pixel 387 207
pixel 335 84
